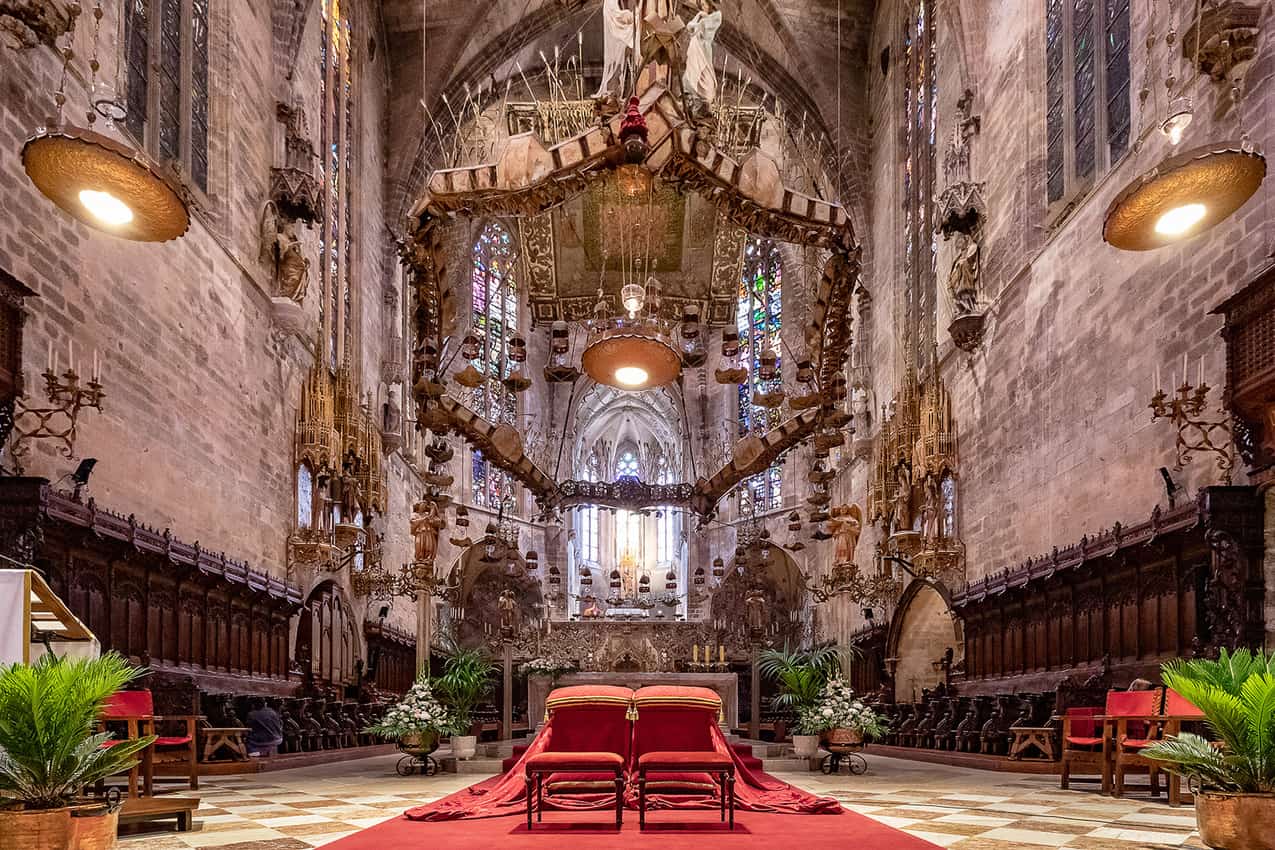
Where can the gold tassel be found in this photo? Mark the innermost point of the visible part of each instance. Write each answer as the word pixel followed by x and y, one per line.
pixel 632 713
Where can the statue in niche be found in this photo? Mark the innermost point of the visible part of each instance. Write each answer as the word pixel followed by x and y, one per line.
pixel 427 522
pixel 298 149
pixel 619 47
pixel 846 526
pixel 931 509
pixel 393 417
pixel 281 253
pixel 699 80
pixel 963 279
pixel 351 504
pixel 903 498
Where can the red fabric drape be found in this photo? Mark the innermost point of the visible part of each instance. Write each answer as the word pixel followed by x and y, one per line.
pixel 661 724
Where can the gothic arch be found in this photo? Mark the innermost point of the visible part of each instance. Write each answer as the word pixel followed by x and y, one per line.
pixel 922 628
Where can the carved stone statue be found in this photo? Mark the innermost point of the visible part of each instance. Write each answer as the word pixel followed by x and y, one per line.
pixel 699 80
pixel 903 499
pixel 931 509
pixel 846 526
pixel 281 253
pixel 351 503
pixel 393 412
pixel 508 606
pixel 619 47
pixel 963 280
pixel 426 525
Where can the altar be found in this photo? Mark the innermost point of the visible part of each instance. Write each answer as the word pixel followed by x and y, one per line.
pixel 725 684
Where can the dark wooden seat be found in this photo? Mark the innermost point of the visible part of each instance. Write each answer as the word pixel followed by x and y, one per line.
pixel 542 765
pixel 720 766
pixel 138 809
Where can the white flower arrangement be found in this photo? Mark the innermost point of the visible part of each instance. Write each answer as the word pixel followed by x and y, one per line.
pixel 838 708
pixel 546 667
pixel 419 712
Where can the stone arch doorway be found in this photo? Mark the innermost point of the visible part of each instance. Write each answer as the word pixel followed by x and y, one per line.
pixel 922 630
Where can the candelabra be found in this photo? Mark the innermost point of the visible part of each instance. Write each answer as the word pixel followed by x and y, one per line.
pixel 1196 433
pixel 846 580
pixel 60 420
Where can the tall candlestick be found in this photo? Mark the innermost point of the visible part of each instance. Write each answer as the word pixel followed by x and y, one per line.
pixel 49 360
pixel 1184 367
pixel 721 653
pixel 1201 382
pixel 695 653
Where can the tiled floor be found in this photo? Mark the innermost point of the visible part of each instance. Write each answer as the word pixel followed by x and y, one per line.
pixel 950 807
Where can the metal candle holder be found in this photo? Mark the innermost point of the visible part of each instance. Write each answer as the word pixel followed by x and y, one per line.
pixel 60 420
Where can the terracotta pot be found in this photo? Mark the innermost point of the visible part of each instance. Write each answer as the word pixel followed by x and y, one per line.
pixel 805 746
pixel 844 737
pixel 1236 821
pixel 83 827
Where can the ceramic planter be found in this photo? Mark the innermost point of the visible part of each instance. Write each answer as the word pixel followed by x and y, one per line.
pixel 82 827
pixel 1236 821
pixel 805 746
pixel 464 746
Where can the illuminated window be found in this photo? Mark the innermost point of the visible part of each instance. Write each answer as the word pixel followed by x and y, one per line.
pixel 1087 106
pixel 167 81
pixel 495 318
pixel 628 535
pixel 589 533
pixel 920 124
pixel 759 320
pixel 626 465
pixel 337 92
pixel 305 496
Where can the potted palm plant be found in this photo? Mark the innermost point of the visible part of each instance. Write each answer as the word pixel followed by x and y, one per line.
pixel 801 675
pixel 1234 782
pixel 468 677
pixel 49 752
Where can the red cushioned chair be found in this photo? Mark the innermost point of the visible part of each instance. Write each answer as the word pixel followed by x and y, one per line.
pixel 675 749
pixel 1133 723
pixel 1178 710
pixel 587 749
pixel 1081 742
pixel 135 710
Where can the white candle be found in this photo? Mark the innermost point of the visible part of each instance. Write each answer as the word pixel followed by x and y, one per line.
pixel 1184 367
pixel 1157 377
pixel 48 361
pixel 1201 370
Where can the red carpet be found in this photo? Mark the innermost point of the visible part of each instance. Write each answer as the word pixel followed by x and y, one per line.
pixel 665 830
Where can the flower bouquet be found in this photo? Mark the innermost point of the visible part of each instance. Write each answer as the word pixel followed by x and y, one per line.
pixel 845 718
pixel 416 721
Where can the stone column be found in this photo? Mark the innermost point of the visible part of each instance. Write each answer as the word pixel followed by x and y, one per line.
pixel 424 628
pixel 507 701
pixel 754 720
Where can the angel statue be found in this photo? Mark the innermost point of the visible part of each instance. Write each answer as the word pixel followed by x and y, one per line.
pixel 281 253
pixel 619 40
pixel 700 78
pixel 846 527
pixel 963 280
pixel 426 524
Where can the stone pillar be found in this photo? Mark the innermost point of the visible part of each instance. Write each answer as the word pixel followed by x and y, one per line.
pixel 424 628
pixel 507 701
pixel 754 719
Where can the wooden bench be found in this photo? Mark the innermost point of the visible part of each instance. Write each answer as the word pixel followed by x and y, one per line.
pixel 138 809
pixel 230 737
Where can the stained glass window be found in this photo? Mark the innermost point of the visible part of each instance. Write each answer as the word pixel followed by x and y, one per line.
pixel 305 496
pixel 338 91
pixel 626 465
pixel 589 533
pixel 1087 108
pixel 920 242
pixel 759 320
pixel 628 535
pixel 169 115
pixel 489 485
pixel 495 318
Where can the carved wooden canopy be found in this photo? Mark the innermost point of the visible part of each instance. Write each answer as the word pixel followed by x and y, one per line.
pixel 530 179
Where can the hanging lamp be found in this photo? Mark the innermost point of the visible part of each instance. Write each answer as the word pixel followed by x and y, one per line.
pixel 1189 192
pixel 1183 196
pixel 98 180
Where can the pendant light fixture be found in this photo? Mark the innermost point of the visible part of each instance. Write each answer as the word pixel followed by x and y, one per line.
pixel 105 184
pixel 1189 192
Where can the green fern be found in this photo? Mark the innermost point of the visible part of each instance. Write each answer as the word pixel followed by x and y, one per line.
pixel 1236 693
pixel 48 748
pixel 800 675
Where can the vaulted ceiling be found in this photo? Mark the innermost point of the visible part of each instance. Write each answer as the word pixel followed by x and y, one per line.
pixel 789 46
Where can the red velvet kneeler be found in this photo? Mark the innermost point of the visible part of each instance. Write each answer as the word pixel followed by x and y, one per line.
pixel 679 718
pixel 580 718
